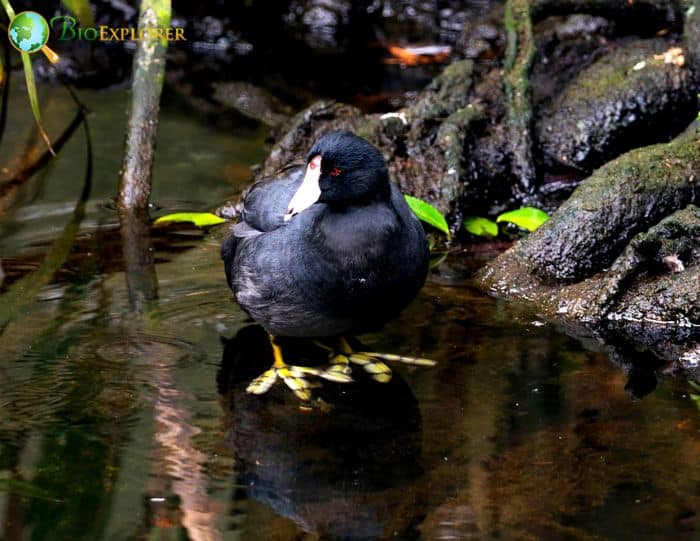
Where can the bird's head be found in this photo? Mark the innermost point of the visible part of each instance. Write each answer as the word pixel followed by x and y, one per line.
pixel 342 169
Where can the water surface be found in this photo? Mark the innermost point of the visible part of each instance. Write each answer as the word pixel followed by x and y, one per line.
pixel 116 425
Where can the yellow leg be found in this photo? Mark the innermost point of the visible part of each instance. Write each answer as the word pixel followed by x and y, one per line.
pixel 292 376
pixel 370 361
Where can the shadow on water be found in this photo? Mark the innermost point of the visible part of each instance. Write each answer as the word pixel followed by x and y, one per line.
pixel 344 469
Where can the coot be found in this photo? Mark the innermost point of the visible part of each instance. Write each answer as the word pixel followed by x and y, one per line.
pixel 325 250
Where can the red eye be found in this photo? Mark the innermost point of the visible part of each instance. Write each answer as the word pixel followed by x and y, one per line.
pixel 334 172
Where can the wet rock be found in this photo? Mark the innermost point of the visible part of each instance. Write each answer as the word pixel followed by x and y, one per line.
pixel 253 102
pixel 565 46
pixel 691 39
pixel 625 248
pixel 444 95
pixel 622 198
pixel 638 347
pixel 667 299
pixel 482 38
pixel 633 96
pixel 638 16
pixel 580 25
pixel 304 128
pixel 423 143
pixel 669 247
pixel 433 164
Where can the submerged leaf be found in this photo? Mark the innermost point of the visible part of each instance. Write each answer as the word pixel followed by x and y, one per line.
pixel 437 258
pixel 428 214
pixel 199 219
pixel 482 227
pixel 528 218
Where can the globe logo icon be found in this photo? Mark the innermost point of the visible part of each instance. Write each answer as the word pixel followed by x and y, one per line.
pixel 28 32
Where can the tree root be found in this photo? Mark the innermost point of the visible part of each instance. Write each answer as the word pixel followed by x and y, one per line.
pixel 520 53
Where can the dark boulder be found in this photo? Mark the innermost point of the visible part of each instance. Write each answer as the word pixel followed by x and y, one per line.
pixel 638 94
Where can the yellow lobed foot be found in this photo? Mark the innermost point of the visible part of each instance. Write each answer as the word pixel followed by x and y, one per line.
pixel 293 377
pixel 370 361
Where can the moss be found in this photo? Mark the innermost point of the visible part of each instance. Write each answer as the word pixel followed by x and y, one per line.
pixel 451 139
pixel 660 10
pixel 691 38
pixel 520 53
pixel 635 211
pixel 624 100
pixel 621 199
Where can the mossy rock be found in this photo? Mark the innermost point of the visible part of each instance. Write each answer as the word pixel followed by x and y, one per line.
pixel 632 97
pixel 423 144
pixel 624 248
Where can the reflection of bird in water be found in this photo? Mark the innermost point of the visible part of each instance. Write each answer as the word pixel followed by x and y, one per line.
pixel 346 472
pixel 328 249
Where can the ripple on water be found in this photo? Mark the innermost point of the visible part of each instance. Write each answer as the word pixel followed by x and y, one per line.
pixel 145 351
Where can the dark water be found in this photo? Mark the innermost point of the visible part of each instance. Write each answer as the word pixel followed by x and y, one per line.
pixel 122 426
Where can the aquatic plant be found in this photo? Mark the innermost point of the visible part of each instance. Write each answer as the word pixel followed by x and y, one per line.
pixel 199 219
pixel 528 218
pixel 428 213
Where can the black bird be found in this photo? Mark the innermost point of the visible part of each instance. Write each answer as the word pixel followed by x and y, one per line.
pixel 329 249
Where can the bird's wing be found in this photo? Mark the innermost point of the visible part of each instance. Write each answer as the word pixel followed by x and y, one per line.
pixel 264 205
pixel 266 202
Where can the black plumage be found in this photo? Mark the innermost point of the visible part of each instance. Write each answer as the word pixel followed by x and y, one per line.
pixel 344 264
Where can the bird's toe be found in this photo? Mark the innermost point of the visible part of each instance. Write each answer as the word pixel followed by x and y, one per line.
pixel 263 382
pixel 373 366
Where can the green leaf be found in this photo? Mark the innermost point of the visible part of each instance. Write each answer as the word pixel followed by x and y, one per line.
pixel 8 9
pixel 81 10
pixel 428 214
pixel 200 219
pixel 31 83
pixel 34 98
pixel 481 227
pixel 526 217
pixel 695 398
